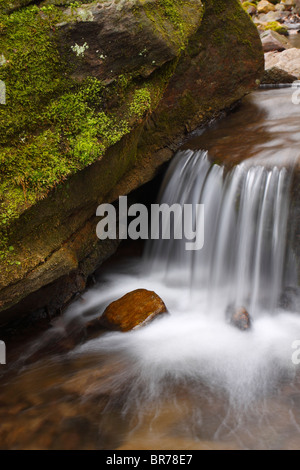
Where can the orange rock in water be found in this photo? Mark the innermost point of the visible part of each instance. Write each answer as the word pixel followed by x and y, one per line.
pixel 133 309
pixel 241 319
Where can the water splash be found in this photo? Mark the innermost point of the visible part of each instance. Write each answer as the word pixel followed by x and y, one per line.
pixel 246 260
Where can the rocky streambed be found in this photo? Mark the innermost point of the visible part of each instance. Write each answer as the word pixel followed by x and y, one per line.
pixel 278 23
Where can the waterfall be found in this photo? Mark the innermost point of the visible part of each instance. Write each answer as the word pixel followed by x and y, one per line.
pixel 245 260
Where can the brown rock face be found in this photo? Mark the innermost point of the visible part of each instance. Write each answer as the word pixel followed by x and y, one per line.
pixel 133 309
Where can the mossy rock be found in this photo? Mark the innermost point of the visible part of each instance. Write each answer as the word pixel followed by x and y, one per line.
pixel 277 27
pixel 249 7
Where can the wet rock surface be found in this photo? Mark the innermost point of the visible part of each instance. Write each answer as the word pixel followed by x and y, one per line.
pixel 239 317
pixel 134 309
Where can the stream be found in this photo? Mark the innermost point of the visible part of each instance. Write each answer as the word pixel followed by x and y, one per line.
pixel 189 379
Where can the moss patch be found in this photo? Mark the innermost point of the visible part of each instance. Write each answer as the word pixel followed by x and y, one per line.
pixel 277 27
pixel 165 12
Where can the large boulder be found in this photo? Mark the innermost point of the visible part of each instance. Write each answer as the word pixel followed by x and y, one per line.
pixel 99 96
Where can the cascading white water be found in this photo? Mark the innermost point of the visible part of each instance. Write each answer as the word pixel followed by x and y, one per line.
pixel 245 261
pixel 244 258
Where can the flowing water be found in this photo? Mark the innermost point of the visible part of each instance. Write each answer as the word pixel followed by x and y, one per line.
pixel 188 380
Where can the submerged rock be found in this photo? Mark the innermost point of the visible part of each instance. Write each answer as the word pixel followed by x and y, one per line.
pixel 134 309
pixel 239 317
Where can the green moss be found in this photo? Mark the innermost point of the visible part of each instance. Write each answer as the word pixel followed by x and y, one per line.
pixel 246 5
pixel 141 102
pixel 225 25
pixel 277 27
pixel 232 28
pixel 162 13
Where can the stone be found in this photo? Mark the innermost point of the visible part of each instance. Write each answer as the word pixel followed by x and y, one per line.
pixel 113 47
pixel 288 4
pixel 288 60
pixel 238 317
pixel 249 7
pixel 134 309
pixel 272 41
pixel 264 6
pixel 276 76
pixel 271 16
pixel 297 7
pixel 251 10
